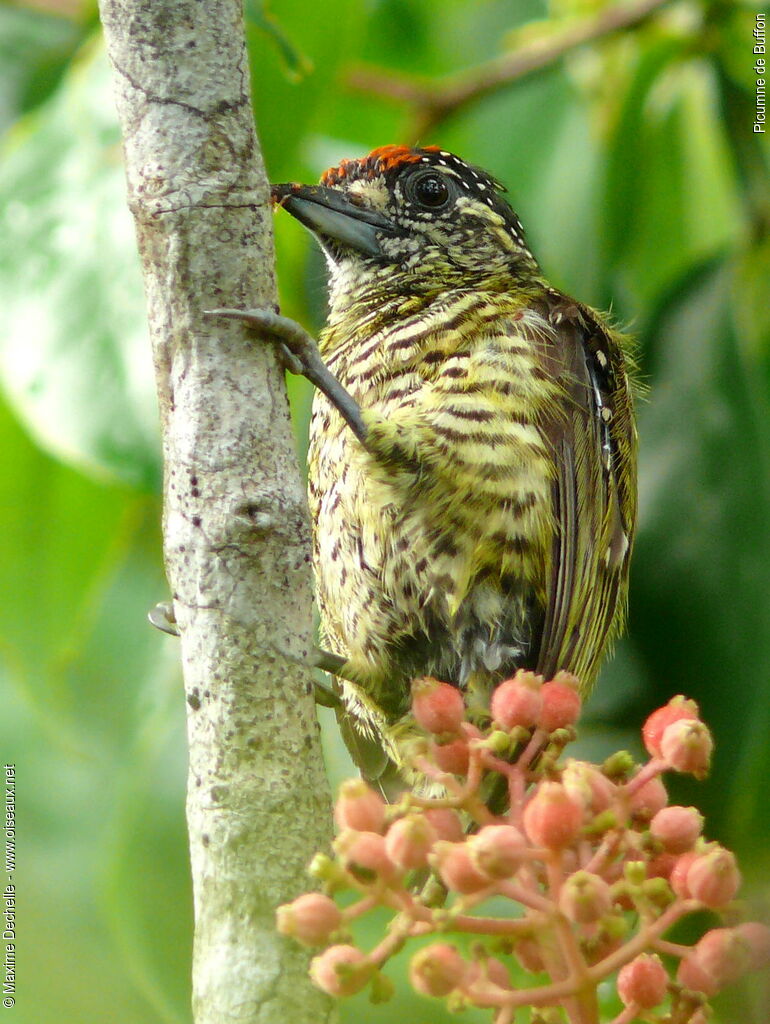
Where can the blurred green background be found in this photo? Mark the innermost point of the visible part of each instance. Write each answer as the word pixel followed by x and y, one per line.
pixel 634 166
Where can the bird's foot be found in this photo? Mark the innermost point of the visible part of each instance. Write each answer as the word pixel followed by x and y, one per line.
pixel 162 617
pixel 300 355
pixel 297 348
pixel 327 694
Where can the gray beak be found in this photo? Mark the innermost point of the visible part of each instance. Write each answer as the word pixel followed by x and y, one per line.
pixel 333 218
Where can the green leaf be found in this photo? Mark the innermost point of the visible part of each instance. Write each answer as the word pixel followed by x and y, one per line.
pixel 93 719
pixel 258 13
pixel 35 47
pixel 567 243
pixel 700 608
pixel 670 195
pixel 285 107
pixel 75 359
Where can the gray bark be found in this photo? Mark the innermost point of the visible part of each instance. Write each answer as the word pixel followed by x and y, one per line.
pixel 236 534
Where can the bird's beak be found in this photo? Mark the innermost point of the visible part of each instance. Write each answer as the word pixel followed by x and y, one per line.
pixel 334 218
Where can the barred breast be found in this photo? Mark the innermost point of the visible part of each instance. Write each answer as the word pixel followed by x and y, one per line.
pixel 432 546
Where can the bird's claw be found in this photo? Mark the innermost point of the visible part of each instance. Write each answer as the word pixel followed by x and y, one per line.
pixel 162 617
pixel 290 361
pixel 301 356
pixel 296 348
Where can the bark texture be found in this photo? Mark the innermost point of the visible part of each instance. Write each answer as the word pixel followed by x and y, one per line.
pixel 235 522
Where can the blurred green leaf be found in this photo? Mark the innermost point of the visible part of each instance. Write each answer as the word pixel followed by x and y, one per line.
pixel 35 47
pixel 287 109
pixel 568 243
pixel 258 13
pixel 700 609
pixel 749 301
pixel 74 355
pixel 93 719
pixel 670 191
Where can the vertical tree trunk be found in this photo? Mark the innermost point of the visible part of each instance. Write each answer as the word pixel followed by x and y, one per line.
pixel 235 522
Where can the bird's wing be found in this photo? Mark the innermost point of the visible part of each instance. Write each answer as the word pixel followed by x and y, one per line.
pixel 593 439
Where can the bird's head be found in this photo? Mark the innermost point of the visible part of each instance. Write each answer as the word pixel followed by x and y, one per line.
pixel 410 221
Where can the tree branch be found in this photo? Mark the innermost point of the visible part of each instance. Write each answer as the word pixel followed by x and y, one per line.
pixel 434 102
pixel 236 534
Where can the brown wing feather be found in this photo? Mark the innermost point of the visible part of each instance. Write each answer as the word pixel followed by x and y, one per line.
pixel 594 498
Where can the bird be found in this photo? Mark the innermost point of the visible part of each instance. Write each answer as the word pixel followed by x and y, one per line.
pixel 472 451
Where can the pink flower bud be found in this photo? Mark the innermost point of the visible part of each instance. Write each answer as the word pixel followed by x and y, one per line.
pixel 661 866
pixel 488 970
pixel 446 823
pixel 657 723
pixel 437 970
pixel 585 897
pixel 364 855
pixel 409 841
pixel 453 757
pixel 645 802
pixel 359 807
pixel 311 919
pixel 677 828
pixel 588 786
pixel 456 869
pixel 497 850
pixel 691 975
pixel 561 702
pixel 678 875
pixel 340 970
pixel 757 939
pixel 642 982
pixel 529 955
pixel 437 707
pixel 724 955
pixel 518 701
pixel 714 878
pixel 552 818
pixel 686 747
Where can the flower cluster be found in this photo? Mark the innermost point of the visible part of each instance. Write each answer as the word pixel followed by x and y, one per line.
pixel 596 865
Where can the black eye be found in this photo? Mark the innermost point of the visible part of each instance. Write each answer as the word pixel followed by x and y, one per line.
pixel 431 190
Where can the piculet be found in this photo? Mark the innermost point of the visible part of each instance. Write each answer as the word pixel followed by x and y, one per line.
pixel 472 459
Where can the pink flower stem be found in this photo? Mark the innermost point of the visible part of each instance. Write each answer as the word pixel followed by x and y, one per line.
pixel 496 926
pixel 362 907
pixel 676 949
pixel 643 940
pixel 583 1009
pixel 577 991
pixel 605 852
pixel 552 994
pixel 464 796
pixel 554 863
pixel 527 897
pixel 449 782
pixel 654 767
pixel 517 791
pixel 406 904
pixel 626 1016
pixel 401 928
pixel 537 741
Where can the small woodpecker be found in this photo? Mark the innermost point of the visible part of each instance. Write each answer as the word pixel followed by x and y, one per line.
pixel 472 459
